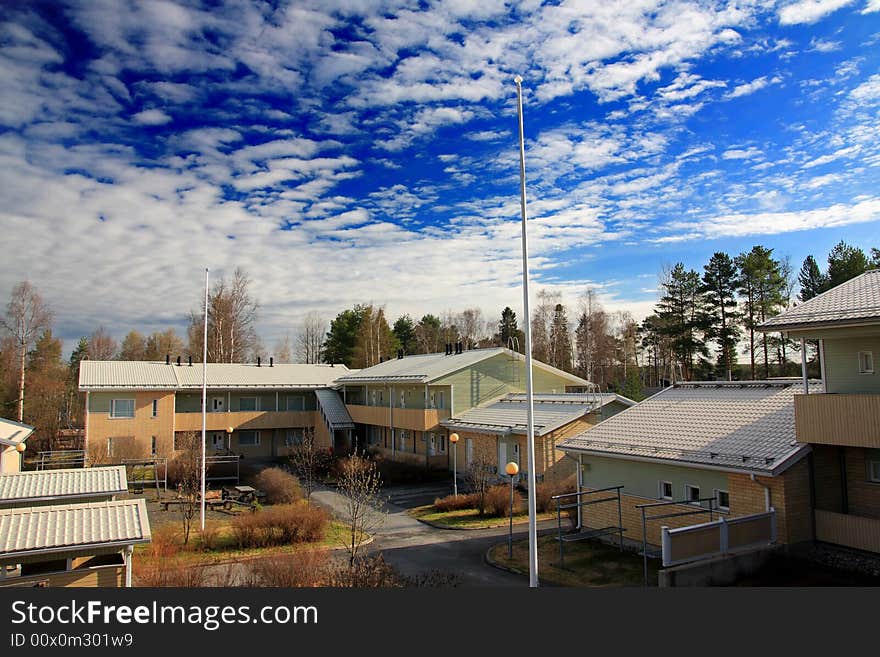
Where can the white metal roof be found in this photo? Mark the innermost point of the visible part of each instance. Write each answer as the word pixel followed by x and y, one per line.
pixel 425 368
pixel 334 409
pixel 509 414
pixel 853 302
pixel 738 426
pixel 156 375
pixel 68 527
pixel 41 485
pixel 12 433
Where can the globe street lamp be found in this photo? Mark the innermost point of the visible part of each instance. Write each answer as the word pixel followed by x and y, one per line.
pixel 512 469
pixel 453 438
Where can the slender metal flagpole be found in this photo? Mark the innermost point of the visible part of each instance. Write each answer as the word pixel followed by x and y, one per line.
pixel 204 397
pixel 530 444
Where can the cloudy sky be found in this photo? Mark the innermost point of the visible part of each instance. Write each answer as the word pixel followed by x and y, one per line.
pixel 346 151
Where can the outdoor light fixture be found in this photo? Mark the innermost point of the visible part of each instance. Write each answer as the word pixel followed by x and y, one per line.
pixel 453 438
pixel 20 447
pixel 512 469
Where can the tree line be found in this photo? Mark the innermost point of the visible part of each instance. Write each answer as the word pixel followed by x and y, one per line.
pixel 702 322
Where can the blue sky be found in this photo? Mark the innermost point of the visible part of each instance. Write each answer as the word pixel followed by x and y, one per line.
pixel 366 151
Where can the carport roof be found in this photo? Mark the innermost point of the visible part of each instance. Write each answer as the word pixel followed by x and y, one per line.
pixel 42 485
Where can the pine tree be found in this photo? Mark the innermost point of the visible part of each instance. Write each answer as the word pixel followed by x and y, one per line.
pixel 761 288
pixel 719 286
pixel 682 308
pixel 845 262
pixel 811 279
pixel 509 335
pixel 560 340
pixel 405 330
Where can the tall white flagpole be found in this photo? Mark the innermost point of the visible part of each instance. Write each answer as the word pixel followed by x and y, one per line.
pixel 204 397
pixel 530 445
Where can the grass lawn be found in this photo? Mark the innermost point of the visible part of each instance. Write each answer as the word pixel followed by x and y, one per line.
pixel 587 563
pixel 470 518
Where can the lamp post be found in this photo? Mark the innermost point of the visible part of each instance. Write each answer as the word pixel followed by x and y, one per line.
pixel 229 431
pixel 512 469
pixel 453 438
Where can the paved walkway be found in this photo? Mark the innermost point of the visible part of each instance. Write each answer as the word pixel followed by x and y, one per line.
pixel 415 548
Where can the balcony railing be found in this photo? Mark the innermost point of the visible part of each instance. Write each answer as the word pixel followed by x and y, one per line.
pixel 415 419
pixel 239 420
pixel 838 419
pixel 848 530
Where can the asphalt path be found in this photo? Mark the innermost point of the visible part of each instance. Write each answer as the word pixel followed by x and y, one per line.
pixel 416 549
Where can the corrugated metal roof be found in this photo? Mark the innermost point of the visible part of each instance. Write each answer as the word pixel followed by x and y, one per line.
pixel 425 368
pixel 12 433
pixel 855 301
pixel 509 414
pixel 334 409
pixel 66 527
pixel 156 375
pixel 734 426
pixel 47 484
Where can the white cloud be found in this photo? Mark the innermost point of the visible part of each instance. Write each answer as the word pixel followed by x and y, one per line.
pixel 809 11
pixel 151 117
pixel 749 153
pixel 871 6
pixel 757 84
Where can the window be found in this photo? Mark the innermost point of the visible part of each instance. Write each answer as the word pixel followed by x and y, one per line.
pixel 248 438
pixel 247 404
pixel 155 407
pixel 440 400
pixel 665 490
pixel 122 408
pixel 295 403
pixel 866 362
pixel 293 437
pixel 153 445
pixel 441 443
pixel 692 494
pixel 873 459
pixel 722 500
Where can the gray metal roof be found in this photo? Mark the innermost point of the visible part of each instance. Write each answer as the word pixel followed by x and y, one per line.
pixel 334 409
pixel 68 527
pixel 509 414
pixel 12 433
pixel 856 301
pixel 41 485
pixel 156 375
pixel 738 426
pixel 425 368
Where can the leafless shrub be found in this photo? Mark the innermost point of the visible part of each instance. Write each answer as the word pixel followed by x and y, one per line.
pixel 498 501
pixel 306 568
pixel 209 536
pixel 281 525
pixel 480 476
pixel 309 462
pixel 365 573
pixel 455 503
pixel 173 572
pixel 280 486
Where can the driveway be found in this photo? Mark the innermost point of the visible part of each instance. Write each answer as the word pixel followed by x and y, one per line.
pixel 414 548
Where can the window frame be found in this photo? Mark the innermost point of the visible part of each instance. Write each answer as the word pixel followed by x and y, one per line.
pixel 866 370
pixel 256 434
pixel 249 410
pixel 872 461
pixel 155 408
pixel 687 494
pixel 660 493
pixel 115 416
pixel 718 505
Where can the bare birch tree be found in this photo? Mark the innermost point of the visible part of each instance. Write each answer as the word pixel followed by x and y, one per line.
pixel 360 485
pixel 102 346
pixel 232 317
pixel 308 461
pixel 27 316
pixel 310 338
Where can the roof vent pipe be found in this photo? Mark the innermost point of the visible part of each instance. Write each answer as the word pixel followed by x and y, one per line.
pixel 190 361
pixel 271 361
pixel 178 361
pixel 168 359
pixel 258 361
pixel 399 354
